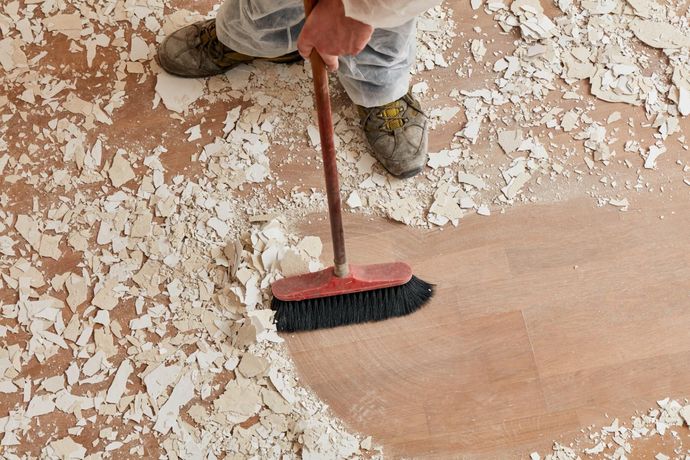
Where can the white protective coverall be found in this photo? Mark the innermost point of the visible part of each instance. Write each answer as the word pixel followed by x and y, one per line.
pixel 378 75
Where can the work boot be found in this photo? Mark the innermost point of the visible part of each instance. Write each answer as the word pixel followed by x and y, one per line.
pixel 195 51
pixel 397 134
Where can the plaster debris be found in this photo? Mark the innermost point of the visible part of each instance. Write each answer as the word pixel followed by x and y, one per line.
pixel 312 246
pixel 65 448
pixel 49 246
pixel 169 412
pixel 117 387
pixel 654 153
pixel 67 24
pixel 40 405
pixel 516 177
pixel 178 94
pixel 139 49
pixel 484 210
pixel 659 34
pixel 28 229
pixel 534 24
pixel 445 207
pixel 470 179
pixel 194 133
pixel 354 201
pixel 684 100
pixel 314 136
pixel 240 401
pixel 510 141
pixel 77 288
pixel 444 114
pixel 105 297
pixel 120 171
pixel 478 50
pixel 11 55
pixel 622 204
pixel 443 158
pixel 420 88
pixel 220 227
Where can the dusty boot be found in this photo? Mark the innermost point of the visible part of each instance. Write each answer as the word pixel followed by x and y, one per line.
pixel 397 134
pixel 195 51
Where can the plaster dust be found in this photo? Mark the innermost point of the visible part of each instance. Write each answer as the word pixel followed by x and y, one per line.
pixel 135 284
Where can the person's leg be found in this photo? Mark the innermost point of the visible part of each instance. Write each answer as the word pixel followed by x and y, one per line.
pixel 243 31
pixel 260 28
pixel 381 72
pixel 378 81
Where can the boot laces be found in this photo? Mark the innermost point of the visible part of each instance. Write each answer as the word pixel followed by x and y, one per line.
pixel 209 43
pixel 393 116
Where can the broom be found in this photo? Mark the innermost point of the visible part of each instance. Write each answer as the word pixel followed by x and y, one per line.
pixel 342 294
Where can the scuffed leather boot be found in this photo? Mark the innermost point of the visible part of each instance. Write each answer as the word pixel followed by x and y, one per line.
pixel 397 133
pixel 195 51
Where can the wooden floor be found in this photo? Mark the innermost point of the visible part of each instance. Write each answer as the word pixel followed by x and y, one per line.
pixel 546 318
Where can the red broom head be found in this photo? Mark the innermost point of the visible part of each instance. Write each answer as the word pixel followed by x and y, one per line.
pixel 368 293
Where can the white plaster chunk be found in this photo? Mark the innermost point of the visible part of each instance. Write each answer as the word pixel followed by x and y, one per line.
pixel 67 24
pixel 654 153
pixel 168 415
pixel 40 405
pixel 472 180
pixel 105 297
pixel 65 449
pixel 443 159
pixel 510 141
pixel 354 201
pixel 119 384
pixel 659 34
pixel 139 49
pixel 312 246
pixel 178 94
pixel 120 171
pixel 28 229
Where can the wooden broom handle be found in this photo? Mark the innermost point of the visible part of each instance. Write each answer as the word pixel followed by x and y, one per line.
pixel 330 165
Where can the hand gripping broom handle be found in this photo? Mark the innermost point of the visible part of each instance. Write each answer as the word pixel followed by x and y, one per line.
pixel 330 167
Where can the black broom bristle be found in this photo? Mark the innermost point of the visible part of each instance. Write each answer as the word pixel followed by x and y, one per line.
pixel 359 307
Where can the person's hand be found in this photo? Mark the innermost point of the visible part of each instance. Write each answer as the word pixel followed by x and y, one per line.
pixel 332 34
